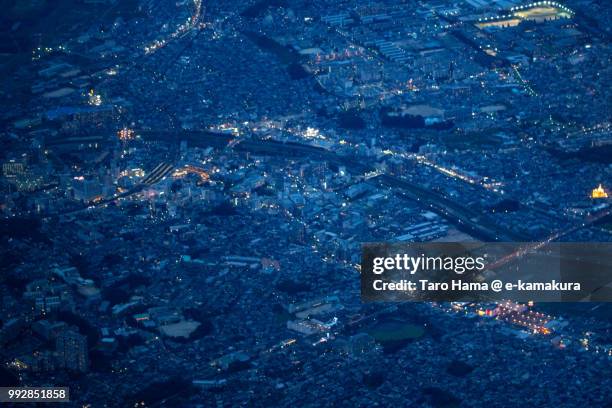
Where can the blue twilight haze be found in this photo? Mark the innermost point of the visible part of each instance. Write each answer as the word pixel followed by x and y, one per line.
pixel 186 186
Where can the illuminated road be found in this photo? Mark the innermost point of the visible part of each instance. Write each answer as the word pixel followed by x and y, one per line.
pixel 156 175
pixel 188 25
pixel 553 237
pixel 476 224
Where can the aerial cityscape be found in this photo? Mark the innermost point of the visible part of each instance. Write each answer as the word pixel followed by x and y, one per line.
pixel 186 187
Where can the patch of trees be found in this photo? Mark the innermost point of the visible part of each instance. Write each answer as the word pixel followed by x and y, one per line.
pixel 158 391
pixel 351 120
pixel 374 379
pixel 22 228
pixel 292 287
pixel 122 290
pixel 459 368
pixel 297 71
pixel 505 206
pixel 225 209
pixel 83 325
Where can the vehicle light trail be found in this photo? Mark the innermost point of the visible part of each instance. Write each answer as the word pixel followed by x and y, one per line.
pixel 192 22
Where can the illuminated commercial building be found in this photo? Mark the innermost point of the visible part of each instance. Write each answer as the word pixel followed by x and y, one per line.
pixel 599 192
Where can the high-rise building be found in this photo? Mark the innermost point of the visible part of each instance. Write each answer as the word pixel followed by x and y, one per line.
pixel 12 169
pixel 72 351
pixel 86 189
